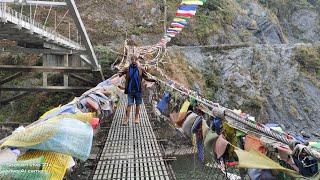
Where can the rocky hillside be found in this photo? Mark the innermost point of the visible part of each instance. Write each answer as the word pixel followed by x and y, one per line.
pixel 277 80
pixel 217 22
pixel 275 83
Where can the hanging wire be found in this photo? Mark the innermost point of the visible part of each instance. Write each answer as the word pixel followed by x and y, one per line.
pixel 30 12
pixel 65 14
pixel 45 22
pixel 21 9
pixel 35 12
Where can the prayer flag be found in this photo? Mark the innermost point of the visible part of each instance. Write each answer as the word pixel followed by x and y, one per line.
pixel 188 7
pixel 178 25
pixel 192 2
pixel 186 12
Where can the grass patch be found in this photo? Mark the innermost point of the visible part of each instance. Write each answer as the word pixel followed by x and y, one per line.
pixel 308 59
pixel 179 70
pixel 106 58
pixel 213 82
pixel 253 105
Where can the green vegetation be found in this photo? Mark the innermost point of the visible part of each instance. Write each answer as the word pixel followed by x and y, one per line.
pixel 177 68
pixel 212 81
pixel 287 5
pixel 106 58
pixel 33 106
pixel 309 59
pixel 254 105
pixel 213 18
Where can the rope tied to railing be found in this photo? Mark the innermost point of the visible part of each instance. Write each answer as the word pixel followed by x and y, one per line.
pixel 293 144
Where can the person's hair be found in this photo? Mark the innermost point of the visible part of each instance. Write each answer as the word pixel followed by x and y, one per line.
pixel 133 58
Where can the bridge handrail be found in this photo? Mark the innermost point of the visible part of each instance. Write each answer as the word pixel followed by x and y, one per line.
pixel 20 16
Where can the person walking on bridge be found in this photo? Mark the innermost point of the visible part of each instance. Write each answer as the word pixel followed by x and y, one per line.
pixel 134 75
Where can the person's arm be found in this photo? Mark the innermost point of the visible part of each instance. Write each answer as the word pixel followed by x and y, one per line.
pixel 123 72
pixel 146 77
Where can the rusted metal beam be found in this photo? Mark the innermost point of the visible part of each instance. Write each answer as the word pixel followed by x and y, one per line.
pixel 35 3
pixel 14 98
pixel 10 78
pixel 36 50
pixel 15 68
pixel 47 88
pixel 81 79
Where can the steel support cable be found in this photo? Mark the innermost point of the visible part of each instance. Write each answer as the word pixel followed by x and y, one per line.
pixel 222 112
pixel 65 14
pixel 35 12
pixel 21 9
pixel 164 55
pixel 194 94
pixel 292 143
pixel 45 22
pixel 184 93
pixel 215 46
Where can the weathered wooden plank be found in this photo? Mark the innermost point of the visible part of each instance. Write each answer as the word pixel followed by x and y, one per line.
pixel 10 78
pixel 17 49
pixel 14 98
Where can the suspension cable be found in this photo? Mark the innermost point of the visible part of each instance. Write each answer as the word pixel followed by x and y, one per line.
pixel 62 19
pixel 45 22
pixel 35 12
pixel 223 112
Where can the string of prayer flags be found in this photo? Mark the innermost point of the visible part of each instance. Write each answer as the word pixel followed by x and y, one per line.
pixel 185 11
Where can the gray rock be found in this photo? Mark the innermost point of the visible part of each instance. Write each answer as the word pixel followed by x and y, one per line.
pixel 267 78
pixel 196 88
pixel 307 22
pixel 153 11
pixel 118 23
pixel 255 9
pixel 193 55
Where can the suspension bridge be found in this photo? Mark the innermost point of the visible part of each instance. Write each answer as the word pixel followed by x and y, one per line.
pixel 128 151
pixel 60 54
pixel 131 152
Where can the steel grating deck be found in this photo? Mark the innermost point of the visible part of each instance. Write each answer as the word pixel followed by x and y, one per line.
pixel 132 151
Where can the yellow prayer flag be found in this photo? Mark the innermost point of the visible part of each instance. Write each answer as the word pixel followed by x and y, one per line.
pixel 195 2
pixel 255 160
pixel 55 163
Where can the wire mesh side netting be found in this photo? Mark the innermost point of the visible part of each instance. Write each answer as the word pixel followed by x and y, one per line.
pixel 186 164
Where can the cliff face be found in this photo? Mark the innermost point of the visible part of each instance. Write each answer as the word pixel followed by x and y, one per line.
pixel 263 21
pixel 268 81
pixel 217 22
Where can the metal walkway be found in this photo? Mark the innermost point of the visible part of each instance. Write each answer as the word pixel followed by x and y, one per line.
pixel 132 151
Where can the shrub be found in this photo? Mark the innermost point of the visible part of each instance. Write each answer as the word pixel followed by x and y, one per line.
pixel 308 58
pixel 106 58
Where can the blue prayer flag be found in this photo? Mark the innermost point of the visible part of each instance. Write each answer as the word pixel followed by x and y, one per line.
pixel 188 7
